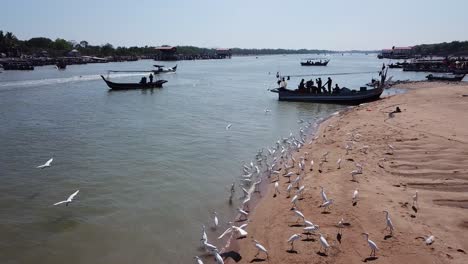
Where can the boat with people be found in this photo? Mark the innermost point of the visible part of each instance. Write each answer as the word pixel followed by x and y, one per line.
pixel 163 69
pixel 307 92
pixel 143 84
pixel 449 78
pixel 315 62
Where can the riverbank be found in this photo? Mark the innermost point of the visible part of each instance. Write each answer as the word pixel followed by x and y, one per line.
pixel 430 147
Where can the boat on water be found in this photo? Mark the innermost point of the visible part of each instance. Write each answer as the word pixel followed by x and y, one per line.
pixel 449 78
pixel 163 69
pixel 344 96
pixel 61 65
pixel 315 62
pixel 132 86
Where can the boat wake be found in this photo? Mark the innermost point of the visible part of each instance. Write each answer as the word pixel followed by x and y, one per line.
pixel 52 81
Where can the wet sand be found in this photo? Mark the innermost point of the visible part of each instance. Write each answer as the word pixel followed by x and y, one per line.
pixel 430 141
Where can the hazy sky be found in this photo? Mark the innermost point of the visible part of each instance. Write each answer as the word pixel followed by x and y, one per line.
pixel 324 24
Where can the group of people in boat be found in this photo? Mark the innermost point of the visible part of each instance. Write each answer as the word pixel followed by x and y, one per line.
pixel 144 80
pixel 313 88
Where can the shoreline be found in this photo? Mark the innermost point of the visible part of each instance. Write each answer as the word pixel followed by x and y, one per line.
pixel 271 218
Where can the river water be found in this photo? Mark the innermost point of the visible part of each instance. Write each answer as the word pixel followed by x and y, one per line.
pixel 151 166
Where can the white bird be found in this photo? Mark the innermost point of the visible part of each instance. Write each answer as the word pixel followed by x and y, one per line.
pixel 355 196
pixel 428 239
pixel 288 190
pixel 209 247
pixel 326 205
pixel 338 163
pixel 324 156
pixel 228 126
pixel 267 110
pixel 323 243
pixel 292 239
pixel 243 213
pixel 353 175
pixel 45 165
pixel 415 199
pixel 372 245
pixel 299 214
pixel 308 223
pixel 218 258
pixel 311 229
pixel 69 199
pixel 199 261
pixel 294 200
pixel 324 196
pixel 260 248
pixel 388 222
pixel 311 165
pixel 391 149
pixel 300 191
pixel 276 189
pixel 245 192
pixel 204 236
pixel 245 203
pixel 215 220
pixel 240 231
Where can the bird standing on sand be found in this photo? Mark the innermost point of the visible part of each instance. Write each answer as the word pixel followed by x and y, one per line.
pixel 204 236
pixel 391 149
pixel 311 165
pixel 45 165
pixel 353 175
pixel 292 239
pixel 288 190
pixel 371 244
pixel 415 200
pixel 323 244
pixel 218 258
pixel 294 200
pixel 355 197
pixel 299 215
pixel 209 247
pixel 324 156
pixel 276 189
pixel 428 239
pixel 260 248
pixel 320 166
pixel 288 175
pixel 338 163
pixel 69 199
pixel 323 194
pixel 300 191
pixel 243 214
pixel 388 222
pixel 326 205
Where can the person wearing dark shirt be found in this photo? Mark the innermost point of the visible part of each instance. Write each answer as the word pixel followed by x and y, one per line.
pixel 302 85
pixel 151 77
pixel 329 85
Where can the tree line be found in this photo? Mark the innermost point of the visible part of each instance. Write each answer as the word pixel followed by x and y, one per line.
pixel 454 48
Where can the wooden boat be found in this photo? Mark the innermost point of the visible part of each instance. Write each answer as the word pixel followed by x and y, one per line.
pixel 129 86
pixel 162 69
pixel 345 96
pixel 314 62
pixel 61 65
pixel 449 78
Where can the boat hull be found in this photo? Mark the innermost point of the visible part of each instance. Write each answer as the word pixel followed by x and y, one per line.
pixel 458 78
pixel 133 86
pixel 314 64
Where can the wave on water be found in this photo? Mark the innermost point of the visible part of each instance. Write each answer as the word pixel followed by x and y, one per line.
pixel 52 81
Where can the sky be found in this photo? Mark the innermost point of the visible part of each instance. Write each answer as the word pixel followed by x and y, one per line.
pixel 292 24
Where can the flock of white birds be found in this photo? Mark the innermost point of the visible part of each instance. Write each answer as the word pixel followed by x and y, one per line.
pixel 272 163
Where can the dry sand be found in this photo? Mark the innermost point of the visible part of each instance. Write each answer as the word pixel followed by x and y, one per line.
pixel 430 140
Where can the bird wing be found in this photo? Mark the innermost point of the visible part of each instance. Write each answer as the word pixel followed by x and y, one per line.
pixel 241 231
pixel 324 241
pixel 49 162
pixel 229 230
pixel 243 226
pixel 61 202
pixel 41 166
pixel 73 195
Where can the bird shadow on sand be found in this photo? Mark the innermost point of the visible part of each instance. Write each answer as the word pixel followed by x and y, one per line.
pixel 240 238
pixel 241 220
pixel 322 254
pixel 33 196
pixel 414 209
pixel 291 251
pixel 274 195
pixel 311 239
pixel 370 259
pixel 233 255
pixel 257 260
pixel 296 225
pixel 325 212
pixel 354 203
pixel 387 237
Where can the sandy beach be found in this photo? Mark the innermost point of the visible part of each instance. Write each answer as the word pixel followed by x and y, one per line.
pixel 430 148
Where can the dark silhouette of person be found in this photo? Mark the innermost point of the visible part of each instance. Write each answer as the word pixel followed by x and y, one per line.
pixel 319 84
pixel 151 77
pixel 329 84
pixel 301 85
pixel 336 89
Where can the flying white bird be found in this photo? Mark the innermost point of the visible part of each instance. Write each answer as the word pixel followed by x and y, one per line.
pixel 69 200
pixel 228 126
pixel 260 248
pixel 323 243
pixel 388 222
pixel 238 230
pixel 338 163
pixel 45 165
pixel 322 193
pixel 371 244
pixel 292 239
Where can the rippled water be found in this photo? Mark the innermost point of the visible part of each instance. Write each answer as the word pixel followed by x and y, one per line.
pixel 150 165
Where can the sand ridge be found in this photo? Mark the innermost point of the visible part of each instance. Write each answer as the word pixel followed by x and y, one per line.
pixel 430 141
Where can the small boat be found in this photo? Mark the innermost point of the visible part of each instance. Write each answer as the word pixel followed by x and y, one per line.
pixel 61 65
pixel 449 78
pixel 130 86
pixel 315 62
pixel 163 69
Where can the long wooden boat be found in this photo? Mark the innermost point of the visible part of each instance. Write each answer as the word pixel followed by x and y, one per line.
pixel 452 78
pixel 345 96
pixel 315 63
pixel 129 86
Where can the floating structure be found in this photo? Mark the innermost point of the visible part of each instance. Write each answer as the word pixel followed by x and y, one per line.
pixel 315 62
pixel 396 53
pixel 143 84
pixel 163 69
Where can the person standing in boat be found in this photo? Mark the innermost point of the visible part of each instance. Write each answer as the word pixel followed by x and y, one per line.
pixel 310 86
pixel 151 77
pixel 301 86
pixel 319 85
pixel 329 85
pixel 283 84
